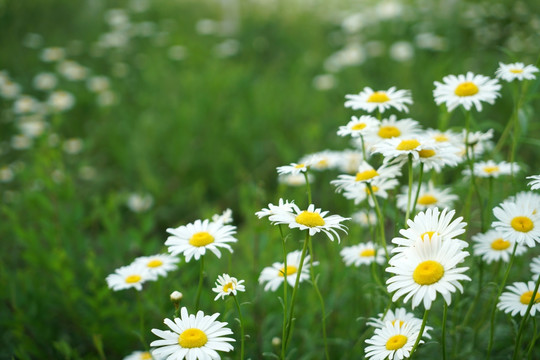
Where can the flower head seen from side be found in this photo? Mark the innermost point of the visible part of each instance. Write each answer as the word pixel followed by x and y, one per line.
pixel 425 269
pixel 227 285
pixel 491 246
pixel 193 337
pixel 366 174
pixel 363 254
pixel 276 274
pixel 436 155
pixel 361 191
pixel 322 160
pixel 392 341
pixel 400 316
pixel 225 217
pixel 295 180
pixel 131 276
pixel 313 220
pixel 517 299
pixel 466 90
pixel 370 101
pixel 428 197
pixel 535 182
pixel 158 265
pixel 518 222
pixel 364 218
pixel 492 169
pixel 516 71
pixel 358 126
pixel 282 206
pixel 293 169
pixel 192 240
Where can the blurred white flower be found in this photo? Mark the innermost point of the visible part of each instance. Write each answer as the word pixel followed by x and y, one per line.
pixel 98 84
pixel 106 98
pixel 9 89
pixel 72 70
pixel 227 48
pixel 21 142
pixel 177 52
pixel 45 81
pixel 33 40
pixel 73 146
pixel 139 202
pixel 324 82
pixel 401 51
pixel 26 104
pixel 6 174
pixel 61 100
pixel 206 26
pixel 52 54
pixel 31 126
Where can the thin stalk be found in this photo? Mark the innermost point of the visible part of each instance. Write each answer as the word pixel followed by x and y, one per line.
pixel 199 289
pixel 424 320
pixel 140 310
pixel 410 168
pixel 285 286
pixel 380 219
pixel 524 320
pixel 421 175
pixel 443 340
pixel 321 300
pixel 241 327
pixel 494 308
pixel 363 147
pixel 533 341
pixel 470 161
pixel 308 187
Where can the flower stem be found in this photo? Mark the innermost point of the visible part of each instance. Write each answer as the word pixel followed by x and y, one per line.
pixel 199 289
pixel 284 289
pixel 241 327
pixel 380 220
pixel 443 340
pixel 533 341
pixel 422 327
pixel 321 300
pixel 410 190
pixel 418 188
pixel 524 320
pixel 470 161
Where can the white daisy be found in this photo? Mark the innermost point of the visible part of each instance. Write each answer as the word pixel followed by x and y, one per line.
pixel 193 337
pixel 392 342
pixel 363 254
pixel 131 276
pixel 52 54
pixel 400 316
pixel 141 355
pixel 367 174
pixel 295 180
pixel 139 202
pixel 425 269
pixel 364 217
pixel 224 218
pixel 535 183
pixel 492 169
pixel 283 206
pixel 274 275
pixel 518 70
pixel 491 246
pixel 361 191
pixel 448 136
pixel 478 142
pixel 292 169
pixel 26 104
pixel 517 299
pixel 381 100
pixel 436 155
pixel 358 126
pixel 398 149
pixel 192 240
pixel 535 267
pixel 313 219
pixel 61 100
pixel 428 197
pixel 466 90
pixel 45 81
pixel 227 285
pixel 392 128
pixel 159 264
pixel 350 160
pixel 322 160
pixel 518 222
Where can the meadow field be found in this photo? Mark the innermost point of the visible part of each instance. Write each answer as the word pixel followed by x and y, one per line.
pixel 149 147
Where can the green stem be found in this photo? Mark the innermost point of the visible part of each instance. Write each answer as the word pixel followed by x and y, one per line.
pixel 424 320
pixel 285 286
pixel 470 161
pixel 443 340
pixel 533 341
pixel 140 310
pixel 410 190
pixel 321 300
pixel 199 289
pixel 418 189
pixel 241 327
pixel 363 148
pixel 380 220
pixel 525 317
pixel 308 187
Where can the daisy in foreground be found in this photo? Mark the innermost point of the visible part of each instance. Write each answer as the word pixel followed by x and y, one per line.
pixel 158 264
pixel 131 276
pixel 518 298
pixel 274 275
pixel 401 316
pixel 381 100
pixel 393 341
pixel 314 220
pixel 516 71
pixel 466 90
pixel 227 285
pixel 518 221
pixel 192 240
pixel 193 337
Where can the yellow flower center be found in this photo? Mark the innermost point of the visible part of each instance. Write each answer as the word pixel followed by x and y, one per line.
pixel 192 338
pixel 358 126
pixel 491 169
pixel 378 97
pixel 408 144
pixel 516 71
pixel 427 153
pixel 526 298
pixel 309 219
pixel 132 279
pixel 401 322
pixel 428 272
pixel 522 224
pixel 145 356
pixel 427 200
pixel 466 88
pixel 202 238
pixel 388 131
pixel 440 138
pixel 290 270
pixel 367 253
pixel 366 175
pixel 396 342
pixel 228 286
pixel 500 244
pixel 154 263
pixel 299 166
pixel 323 163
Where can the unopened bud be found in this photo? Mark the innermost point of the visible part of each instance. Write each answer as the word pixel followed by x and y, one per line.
pixel 176 296
pixel 276 341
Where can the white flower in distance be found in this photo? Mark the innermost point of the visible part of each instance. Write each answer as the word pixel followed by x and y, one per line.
pixel 45 81
pixel 224 218
pixel 131 276
pixel 535 182
pixel 192 240
pixel 402 317
pixel 492 169
pixel 517 299
pixel 516 71
pixel 381 100
pixel 358 126
pixel 139 202
pixel 314 220
pixel 322 160
pixel 61 101
pixel 159 264
pixel 428 197
pixel 26 104
pixel 193 337
pixel 227 285
pixel 363 254
pixel 295 180
pixel 367 174
pixel 141 355
pixel 392 342
pixel 491 246
pixel 276 274
pixel 466 90
pixel 52 54
pixel 518 222
pixel 293 169
pixel 361 190
pixel 425 269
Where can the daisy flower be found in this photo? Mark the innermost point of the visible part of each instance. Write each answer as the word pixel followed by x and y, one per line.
pixel 295 180
pixel 274 275
pixel 517 299
pixel 131 276
pixel 322 160
pixel 193 337
pixel 45 81
pixel 26 104
pixel 141 355
pixel 192 240
pixel 61 100
pixel 362 254
pixel 535 183
pixel 392 341
pixel 427 268
pixel 349 161
pixel 392 128
pixel 283 206
pixel 478 142
pixel 436 155
pixel 159 264
pixel 227 285
pixel 491 246
pixel 381 100
pixel 443 137
pixel 292 169
pixel 518 70
pixel 361 191
pixel 358 126
pixel 398 149
pixel 400 316
pixel 224 218
pixel 367 174
pixel 518 222
pixel 313 219
pixel 428 197
pixel 364 217
pixel 535 267
pixel 466 90
pixel 492 169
